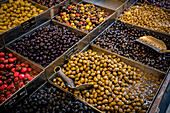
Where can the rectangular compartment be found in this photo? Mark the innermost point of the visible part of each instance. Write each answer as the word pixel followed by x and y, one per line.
pixel 138 3
pixel 53 22
pixel 90 36
pixel 58 91
pixel 57 8
pixel 29 87
pixel 136 32
pixel 109 21
pixel 146 69
pixel 24 27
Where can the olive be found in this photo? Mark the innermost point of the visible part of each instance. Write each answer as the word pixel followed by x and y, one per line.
pixel 16 12
pixel 149 10
pixel 133 49
pixel 116 107
pixel 120 103
pixel 82 16
pixel 158 3
pixel 108 95
pixel 62 102
pixel 47 50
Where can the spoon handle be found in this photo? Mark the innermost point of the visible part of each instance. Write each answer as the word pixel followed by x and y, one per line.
pixel 165 51
pixel 67 81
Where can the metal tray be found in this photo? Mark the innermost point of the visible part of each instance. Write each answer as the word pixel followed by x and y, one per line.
pixel 49 83
pixel 19 29
pixel 137 27
pixel 61 61
pixel 81 34
pixel 67 3
pixel 137 3
pixel 29 87
pixel 109 21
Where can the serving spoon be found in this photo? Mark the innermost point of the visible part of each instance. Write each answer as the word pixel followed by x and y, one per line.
pixel 69 82
pixel 154 43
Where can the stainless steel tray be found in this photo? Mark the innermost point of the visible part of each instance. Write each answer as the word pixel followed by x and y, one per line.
pixel 81 34
pixel 19 30
pixel 144 68
pixel 96 110
pixel 49 83
pixel 137 27
pixel 110 20
pixel 66 3
pixel 137 3
pixel 29 87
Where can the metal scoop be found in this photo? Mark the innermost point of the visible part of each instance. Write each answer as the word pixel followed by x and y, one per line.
pixel 153 43
pixel 69 82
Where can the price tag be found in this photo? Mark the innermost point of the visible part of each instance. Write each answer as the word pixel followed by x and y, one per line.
pixel 29 23
pixel 20 94
pixel 69 53
pixel 101 27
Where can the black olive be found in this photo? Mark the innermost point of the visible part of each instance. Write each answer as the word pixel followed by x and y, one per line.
pixel 56 100
pixel 122 42
pixel 46 44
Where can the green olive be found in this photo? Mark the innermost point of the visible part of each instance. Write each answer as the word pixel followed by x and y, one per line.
pixel 116 86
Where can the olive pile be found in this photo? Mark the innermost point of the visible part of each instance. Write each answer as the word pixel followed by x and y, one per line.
pixel 14 74
pixel 45 44
pixel 15 12
pixel 159 3
pixel 50 99
pixel 119 38
pixel 118 87
pixel 147 16
pixel 82 16
pixel 48 3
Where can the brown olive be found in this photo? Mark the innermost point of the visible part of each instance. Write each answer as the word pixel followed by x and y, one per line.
pixel 120 110
pixel 113 92
pixel 120 103
pixel 107 108
pixel 103 107
pixel 142 19
pixel 116 107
